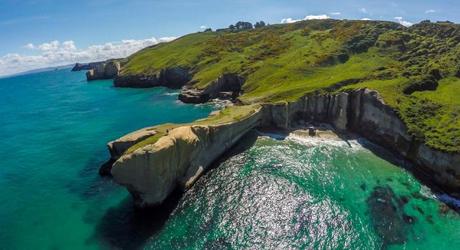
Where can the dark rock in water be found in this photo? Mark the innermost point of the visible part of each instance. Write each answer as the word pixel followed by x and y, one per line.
pixel 363 187
pixel 311 131
pixel 104 170
pixel 443 209
pixel 192 95
pixel 403 201
pixel 429 218
pixel 419 209
pixel 387 219
pixel 409 219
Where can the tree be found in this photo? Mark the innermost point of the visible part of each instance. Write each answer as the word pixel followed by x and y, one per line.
pixel 243 25
pixel 260 24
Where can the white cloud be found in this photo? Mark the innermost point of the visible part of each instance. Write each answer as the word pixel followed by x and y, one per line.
pixel 430 11
pixel 309 17
pixel 403 22
pixel 335 13
pixel 29 46
pixel 366 19
pixel 57 53
pixel 203 27
pixel 289 20
pixel 313 17
pixel 363 10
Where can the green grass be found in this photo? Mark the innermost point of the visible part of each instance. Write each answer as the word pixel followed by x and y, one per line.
pixel 227 115
pixel 285 62
pixel 161 130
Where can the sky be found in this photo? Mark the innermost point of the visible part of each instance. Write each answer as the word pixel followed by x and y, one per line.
pixel 43 33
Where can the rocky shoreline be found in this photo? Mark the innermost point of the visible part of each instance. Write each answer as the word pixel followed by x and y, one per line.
pixel 179 157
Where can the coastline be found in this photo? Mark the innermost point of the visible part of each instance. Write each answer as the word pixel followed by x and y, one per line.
pixel 362 112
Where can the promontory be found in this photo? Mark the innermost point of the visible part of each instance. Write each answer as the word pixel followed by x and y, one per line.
pixel 397 86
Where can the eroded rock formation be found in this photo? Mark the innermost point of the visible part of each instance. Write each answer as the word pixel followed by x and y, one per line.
pixel 151 173
pixel 106 70
pixel 227 86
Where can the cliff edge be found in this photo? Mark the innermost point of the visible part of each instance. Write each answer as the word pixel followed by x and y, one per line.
pixel 179 156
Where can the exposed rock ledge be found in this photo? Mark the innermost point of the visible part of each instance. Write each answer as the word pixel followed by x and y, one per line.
pixel 173 78
pixel 227 86
pixel 151 172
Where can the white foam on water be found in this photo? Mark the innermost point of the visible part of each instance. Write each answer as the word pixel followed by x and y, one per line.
pixel 314 141
pixel 171 93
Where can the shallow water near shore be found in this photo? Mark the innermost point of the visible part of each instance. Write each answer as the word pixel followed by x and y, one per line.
pixel 272 192
pixel 313 193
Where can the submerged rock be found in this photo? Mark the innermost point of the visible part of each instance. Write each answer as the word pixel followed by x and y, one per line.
pixel 387 218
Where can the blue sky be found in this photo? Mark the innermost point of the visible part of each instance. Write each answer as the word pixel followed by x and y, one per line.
pixel 27 24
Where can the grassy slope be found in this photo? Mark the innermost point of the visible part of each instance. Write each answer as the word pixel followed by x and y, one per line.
pixel 284 62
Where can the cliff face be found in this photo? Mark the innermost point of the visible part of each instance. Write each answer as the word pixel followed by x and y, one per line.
pixel 105 70
pixel 227 86
pixel 365 113
pixel 178 159
pixel 152 172
pixel 172 78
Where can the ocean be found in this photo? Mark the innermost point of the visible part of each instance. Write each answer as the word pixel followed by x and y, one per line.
pixel 268 193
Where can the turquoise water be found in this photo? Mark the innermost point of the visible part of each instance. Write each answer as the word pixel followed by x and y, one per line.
pixel 54 127
pixel 308 194
pixel 269 193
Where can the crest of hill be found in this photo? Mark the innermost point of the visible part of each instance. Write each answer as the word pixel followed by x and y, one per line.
pixel 415 69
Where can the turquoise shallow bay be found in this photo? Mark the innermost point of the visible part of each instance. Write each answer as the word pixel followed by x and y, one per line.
pixel 280 194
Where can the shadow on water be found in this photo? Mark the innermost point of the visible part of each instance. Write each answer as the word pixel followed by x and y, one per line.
pixel 128 227
pixel 89 184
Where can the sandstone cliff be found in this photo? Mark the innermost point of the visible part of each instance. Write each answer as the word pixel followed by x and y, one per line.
pixel 150 173
pixel 365 113
pixel 105 70
pixel 177 159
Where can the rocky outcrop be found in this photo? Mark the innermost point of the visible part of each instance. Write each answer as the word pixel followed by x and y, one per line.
pixel 118 147
pixel 173 78
pixel 227 86
pixel 105 70
pixel 85 66
pixel 152 172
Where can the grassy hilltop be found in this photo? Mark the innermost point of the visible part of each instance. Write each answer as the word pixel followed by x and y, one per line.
pixel 415 69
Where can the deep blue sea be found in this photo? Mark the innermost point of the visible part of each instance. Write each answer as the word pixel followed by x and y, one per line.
pixel 268 194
